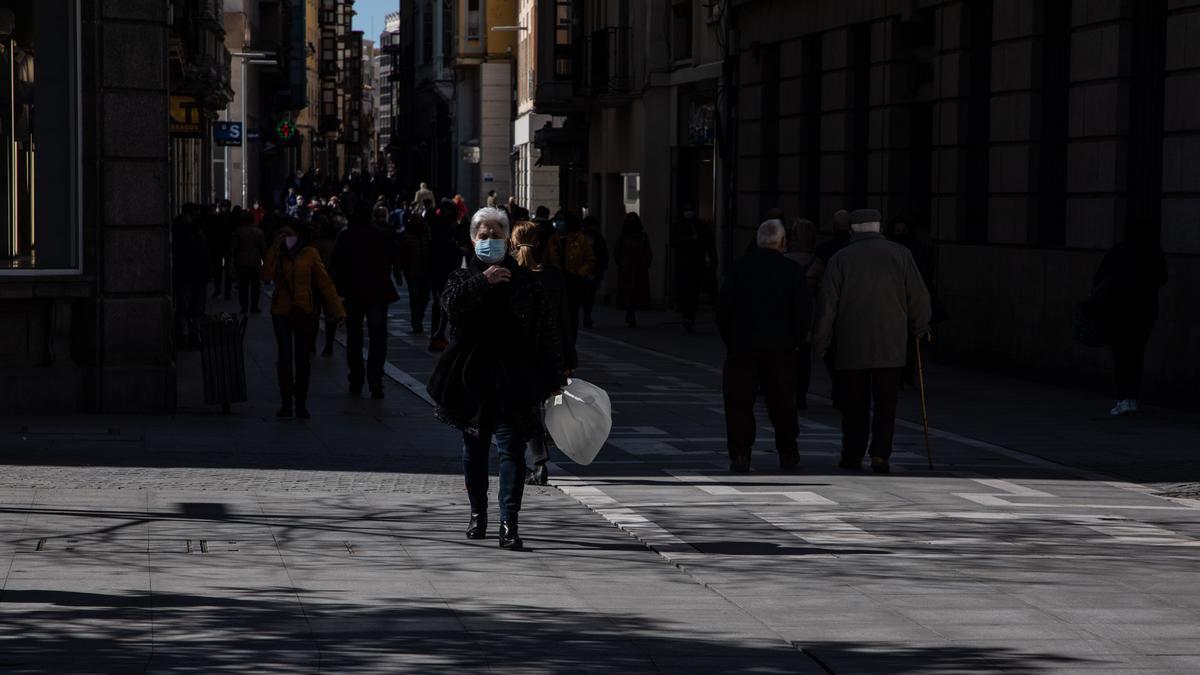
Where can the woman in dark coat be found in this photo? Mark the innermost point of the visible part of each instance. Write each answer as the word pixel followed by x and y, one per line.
pixel 528 252
pixel 633 255
pixel 504 360
pixel 1127 284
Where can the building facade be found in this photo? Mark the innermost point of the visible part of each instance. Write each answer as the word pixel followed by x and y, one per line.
pixel 85 310
pixel 1027 138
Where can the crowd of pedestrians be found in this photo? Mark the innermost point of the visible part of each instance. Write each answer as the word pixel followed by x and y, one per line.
pixel 506 291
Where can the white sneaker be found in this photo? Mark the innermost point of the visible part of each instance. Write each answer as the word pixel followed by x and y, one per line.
pixel 1123 407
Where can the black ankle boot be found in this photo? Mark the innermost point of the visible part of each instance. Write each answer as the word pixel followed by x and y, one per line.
pixel 508 535
pixel 477 529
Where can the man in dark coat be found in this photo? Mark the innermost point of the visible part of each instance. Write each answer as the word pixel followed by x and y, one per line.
pixel 695 250
pixel 872 303
pixel 365 259
pixel 763 313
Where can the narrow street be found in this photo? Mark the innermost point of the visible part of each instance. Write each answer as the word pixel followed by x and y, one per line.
pixel 244 543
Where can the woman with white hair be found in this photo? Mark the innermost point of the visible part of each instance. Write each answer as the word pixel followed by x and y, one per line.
pixel 504 359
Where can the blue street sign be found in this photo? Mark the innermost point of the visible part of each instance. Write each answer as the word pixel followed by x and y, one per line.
pixel 227 133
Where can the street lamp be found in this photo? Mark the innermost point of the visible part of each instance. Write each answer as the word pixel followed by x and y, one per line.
pixel 253 59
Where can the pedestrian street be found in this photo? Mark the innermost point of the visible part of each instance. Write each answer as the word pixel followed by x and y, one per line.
pixel 993 548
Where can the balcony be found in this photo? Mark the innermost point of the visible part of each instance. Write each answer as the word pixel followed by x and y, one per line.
pixel 609 52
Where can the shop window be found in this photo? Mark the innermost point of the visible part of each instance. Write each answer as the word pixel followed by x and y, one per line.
pixel 39 131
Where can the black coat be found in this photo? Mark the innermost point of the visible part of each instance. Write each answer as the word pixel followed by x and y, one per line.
pixel 364 260
pixel 505 355
pixel 764 304
pixel 1126 286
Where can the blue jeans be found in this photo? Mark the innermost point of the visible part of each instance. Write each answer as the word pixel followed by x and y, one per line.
pixel 477 449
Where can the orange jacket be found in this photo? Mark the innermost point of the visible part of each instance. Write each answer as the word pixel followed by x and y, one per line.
pixel 296 276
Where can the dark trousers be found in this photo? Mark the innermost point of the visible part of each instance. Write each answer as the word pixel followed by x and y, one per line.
pixel 189 306
pixel 418 299
pixel 858 390
pixel 773 371
pixel 576 288
pixel 248 288
pixel 511 447
pixel 376 316
pixel 222 277
pixel 1129 360
pixel 803 375
pixel 293 343
pixel 687 295
pixel 588 300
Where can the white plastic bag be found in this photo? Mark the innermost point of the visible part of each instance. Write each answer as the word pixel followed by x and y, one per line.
pixel 579 420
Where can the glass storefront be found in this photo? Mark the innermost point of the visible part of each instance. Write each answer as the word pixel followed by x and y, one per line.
pixel 38 136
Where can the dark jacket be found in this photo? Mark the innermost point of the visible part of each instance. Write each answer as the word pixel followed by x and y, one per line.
pixel 415 249
pixel 633 255
pixel 505 356
pixel 364 261
pixel 248 247
pixel 189 254
pixel 872 303
pixel 764 304
pixel 600 249
pixel 554 281
pixel 695 246
pixel 1127 282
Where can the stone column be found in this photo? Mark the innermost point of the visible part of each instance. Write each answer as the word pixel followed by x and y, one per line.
pixel 137 354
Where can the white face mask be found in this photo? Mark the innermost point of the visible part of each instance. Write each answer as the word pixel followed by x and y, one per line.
pixel 491 251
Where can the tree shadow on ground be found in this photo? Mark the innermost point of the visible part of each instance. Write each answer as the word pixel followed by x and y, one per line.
pixel 312 630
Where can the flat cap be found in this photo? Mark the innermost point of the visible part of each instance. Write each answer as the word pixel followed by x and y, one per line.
pixel 860 216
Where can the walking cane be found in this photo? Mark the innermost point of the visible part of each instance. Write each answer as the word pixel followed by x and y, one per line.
pixel 924 408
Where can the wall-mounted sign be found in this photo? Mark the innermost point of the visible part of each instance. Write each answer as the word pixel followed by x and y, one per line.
pixel 187 119
pixel 227 133
pixel 286 131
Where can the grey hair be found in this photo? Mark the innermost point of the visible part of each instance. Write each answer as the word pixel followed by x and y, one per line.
pixel 771 234
pixel 866 227
pixel 489 214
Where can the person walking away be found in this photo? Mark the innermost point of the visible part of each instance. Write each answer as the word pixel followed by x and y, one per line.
pixel 247 248
pixel 461 205
pixel 326 231
pixel 1127 284
pixel 491 199
pixel 570 251
pixel 633 255
pixel 415 246
pixel 424 194
pixel 528 252
pixel 591 230
pixel 445 257
pixel 504 362
pixel 295 267
pixel 190 270
pixel 763 313
pixel 217 232
pixel 802 245
pixel 365 261
pixel 841 237
pixel 872 304
pixel 695 249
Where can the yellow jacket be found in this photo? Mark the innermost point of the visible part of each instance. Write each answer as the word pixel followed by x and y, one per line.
pixel 297 275
pixel 580 259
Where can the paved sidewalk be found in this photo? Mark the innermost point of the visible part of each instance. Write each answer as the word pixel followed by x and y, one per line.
pixel 1016 554
pixel 243 543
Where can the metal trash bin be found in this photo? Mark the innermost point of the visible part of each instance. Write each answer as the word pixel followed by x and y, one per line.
pixel 221 359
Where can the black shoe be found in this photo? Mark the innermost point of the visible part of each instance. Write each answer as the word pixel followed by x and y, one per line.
pixel 788 463
pixel 356 391
pixel 880 465
pixel 537 475
pixel 302 413
pixel 477 529
pixel 285 410
pixel 739 463
pixel 850 464
pixel 328 351
pixel 377 393
pixel 416 330
pixel 508 535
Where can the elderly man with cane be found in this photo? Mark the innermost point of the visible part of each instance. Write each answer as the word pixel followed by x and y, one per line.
pixel 872 302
